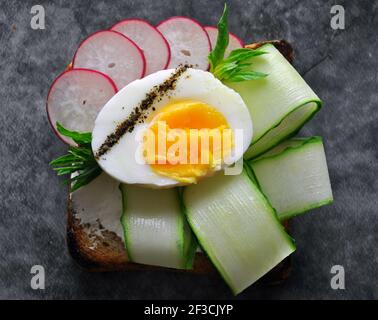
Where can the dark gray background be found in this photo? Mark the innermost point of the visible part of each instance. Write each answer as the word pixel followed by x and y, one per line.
pixel 341 66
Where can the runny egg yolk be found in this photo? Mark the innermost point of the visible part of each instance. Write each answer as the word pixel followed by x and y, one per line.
pixel 187 140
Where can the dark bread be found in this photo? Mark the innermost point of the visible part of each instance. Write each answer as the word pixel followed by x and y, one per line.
pixel 110 254
pixel 282 45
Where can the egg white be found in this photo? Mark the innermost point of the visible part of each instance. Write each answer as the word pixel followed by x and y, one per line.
pixel 120 161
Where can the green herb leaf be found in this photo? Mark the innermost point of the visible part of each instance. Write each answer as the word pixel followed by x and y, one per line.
pixel 223 69
pixel 237 66
pixel 79 137
pixel 85 179
pixel 217 55
pixel 79 160
pixel 243 54
pixel 68 158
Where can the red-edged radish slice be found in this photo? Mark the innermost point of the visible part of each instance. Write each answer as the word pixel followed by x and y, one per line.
pixel 188 40
pixel 113 54
pixel 234 41
pixel 155 47
pixel 76 97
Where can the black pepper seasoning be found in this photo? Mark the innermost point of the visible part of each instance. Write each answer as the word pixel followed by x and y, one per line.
pixel 139 113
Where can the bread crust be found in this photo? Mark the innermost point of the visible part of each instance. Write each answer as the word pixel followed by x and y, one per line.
pixel 282 45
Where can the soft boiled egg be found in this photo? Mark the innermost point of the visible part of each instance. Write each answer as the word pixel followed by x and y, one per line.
pixel 173 127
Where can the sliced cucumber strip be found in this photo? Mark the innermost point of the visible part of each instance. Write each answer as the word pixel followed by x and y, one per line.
pixel 280 104
pixel 294 176
pixel 155 228
pixel 237 228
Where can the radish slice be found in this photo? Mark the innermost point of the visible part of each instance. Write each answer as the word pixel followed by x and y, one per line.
pixel 234 41
pixel 188 40
pixel 113 54
pixel 155 47
pixel 75 98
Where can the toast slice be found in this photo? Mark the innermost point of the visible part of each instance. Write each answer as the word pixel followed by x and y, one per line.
pixel 97 249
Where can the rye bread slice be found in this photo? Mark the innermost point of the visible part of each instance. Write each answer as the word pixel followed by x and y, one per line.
pixel 109 253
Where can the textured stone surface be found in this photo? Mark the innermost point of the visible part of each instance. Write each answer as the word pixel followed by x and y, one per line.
pixel 340 65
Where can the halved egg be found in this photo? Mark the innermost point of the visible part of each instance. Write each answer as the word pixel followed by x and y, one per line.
pixel 173 127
